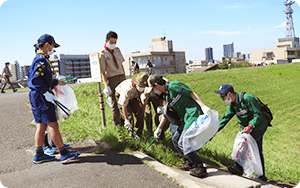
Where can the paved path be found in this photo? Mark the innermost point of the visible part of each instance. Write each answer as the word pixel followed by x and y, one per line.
pixel 110 169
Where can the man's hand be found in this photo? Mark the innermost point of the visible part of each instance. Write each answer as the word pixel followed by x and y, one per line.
pixel 157 132
pixel 50 97
pixel 206 110
pixel 127 124
pixel 247 129
pixel 107 91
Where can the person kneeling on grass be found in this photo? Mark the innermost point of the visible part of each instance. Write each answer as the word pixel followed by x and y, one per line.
pixel 128 96
pixel 188 107
pixel 250 118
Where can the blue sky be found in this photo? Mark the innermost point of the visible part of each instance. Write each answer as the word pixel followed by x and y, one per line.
pixel 80 27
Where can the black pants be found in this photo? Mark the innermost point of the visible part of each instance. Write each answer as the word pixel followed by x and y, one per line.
pixel 258 137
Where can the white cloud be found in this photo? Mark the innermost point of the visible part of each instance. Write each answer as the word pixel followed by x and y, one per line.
pixel 282 25
pixel 1 2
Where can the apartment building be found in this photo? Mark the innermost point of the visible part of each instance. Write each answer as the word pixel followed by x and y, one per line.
pixel 77 66
pixel 15 71
pixel 287 51
pixel 162 56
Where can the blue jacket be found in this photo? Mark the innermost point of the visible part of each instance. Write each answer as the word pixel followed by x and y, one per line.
pixel 40 75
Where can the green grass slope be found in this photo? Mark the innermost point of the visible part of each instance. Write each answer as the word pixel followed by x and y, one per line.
pixel 278 86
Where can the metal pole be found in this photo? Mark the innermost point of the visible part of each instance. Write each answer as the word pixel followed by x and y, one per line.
pixel 101 105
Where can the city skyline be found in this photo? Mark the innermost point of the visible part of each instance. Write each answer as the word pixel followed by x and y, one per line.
pixel 80 27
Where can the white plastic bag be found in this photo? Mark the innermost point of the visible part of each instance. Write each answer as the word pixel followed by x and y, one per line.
pixel 245 153
pixel 66 96
pixel 200 132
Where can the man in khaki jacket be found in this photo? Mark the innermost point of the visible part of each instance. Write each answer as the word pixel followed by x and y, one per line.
pixel 6 74
pixel 113 72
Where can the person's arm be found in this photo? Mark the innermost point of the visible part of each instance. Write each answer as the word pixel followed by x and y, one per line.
pixel 226 118
pixel 104 78
pixel 197 98
pixel 124 110
pixel 255 109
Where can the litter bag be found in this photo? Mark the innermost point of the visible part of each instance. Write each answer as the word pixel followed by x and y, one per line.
pixel 245 153
pixel 66 96
pixel 200 132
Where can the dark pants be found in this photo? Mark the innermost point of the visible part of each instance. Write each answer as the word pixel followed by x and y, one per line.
pixel 113 82
pixel 192 158
pixel 134 107
pixel 7 81
pixel 148 118
pixel 258 137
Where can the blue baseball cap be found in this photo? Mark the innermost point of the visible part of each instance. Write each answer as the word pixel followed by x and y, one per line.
pixel 46 38
pixel 225 89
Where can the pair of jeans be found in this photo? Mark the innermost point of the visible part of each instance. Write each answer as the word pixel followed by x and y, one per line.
pixel 192 158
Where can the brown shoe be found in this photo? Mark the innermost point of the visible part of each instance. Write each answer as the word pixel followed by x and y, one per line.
pixel 186 167
pixel 199 171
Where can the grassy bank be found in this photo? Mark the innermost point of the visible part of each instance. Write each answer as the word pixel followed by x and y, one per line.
pixel 278 86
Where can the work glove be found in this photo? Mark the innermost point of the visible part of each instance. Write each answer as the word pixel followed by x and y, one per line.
pixel 160 110
pixel 50 97
pixel 61 82
pixel 157 132
pixel 107 91
pixel 247 129
pixel 127 124
pixel 143 98
pixel 206 110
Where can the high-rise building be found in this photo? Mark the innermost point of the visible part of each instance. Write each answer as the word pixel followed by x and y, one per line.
pixel 15 71
pixel 228 50
pixel 209 55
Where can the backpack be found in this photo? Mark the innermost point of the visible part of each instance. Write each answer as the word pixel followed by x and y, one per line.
pixel 264 108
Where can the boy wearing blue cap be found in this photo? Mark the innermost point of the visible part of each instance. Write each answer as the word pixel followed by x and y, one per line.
pixel 41 82
pixel 250 118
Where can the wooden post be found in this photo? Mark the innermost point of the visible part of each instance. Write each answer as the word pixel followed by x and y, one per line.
pixel 101 100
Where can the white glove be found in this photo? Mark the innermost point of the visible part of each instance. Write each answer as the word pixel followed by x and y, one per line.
pixel 107 91
pixel 143 98
pixel 160 110
pixel 206 110
pixel 50 97
pixel 127 124
pixel 148 90
pixel 157 132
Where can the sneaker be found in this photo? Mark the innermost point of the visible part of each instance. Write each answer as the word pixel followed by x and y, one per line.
pixel 199 171
pixel 49 151
pixel 2 91
pixel 67 145
pixel 43 158
pixel 70 155
pixel 186 167
pixel 263 178
pixel 235 170
pixel 15 90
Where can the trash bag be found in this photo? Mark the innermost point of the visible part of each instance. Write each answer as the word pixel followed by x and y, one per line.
pixel 245 153
pixel 66 96
pixel 200 132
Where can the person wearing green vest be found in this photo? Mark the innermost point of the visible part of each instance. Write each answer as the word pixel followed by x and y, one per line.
pixel 188 107
pixel 250 118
